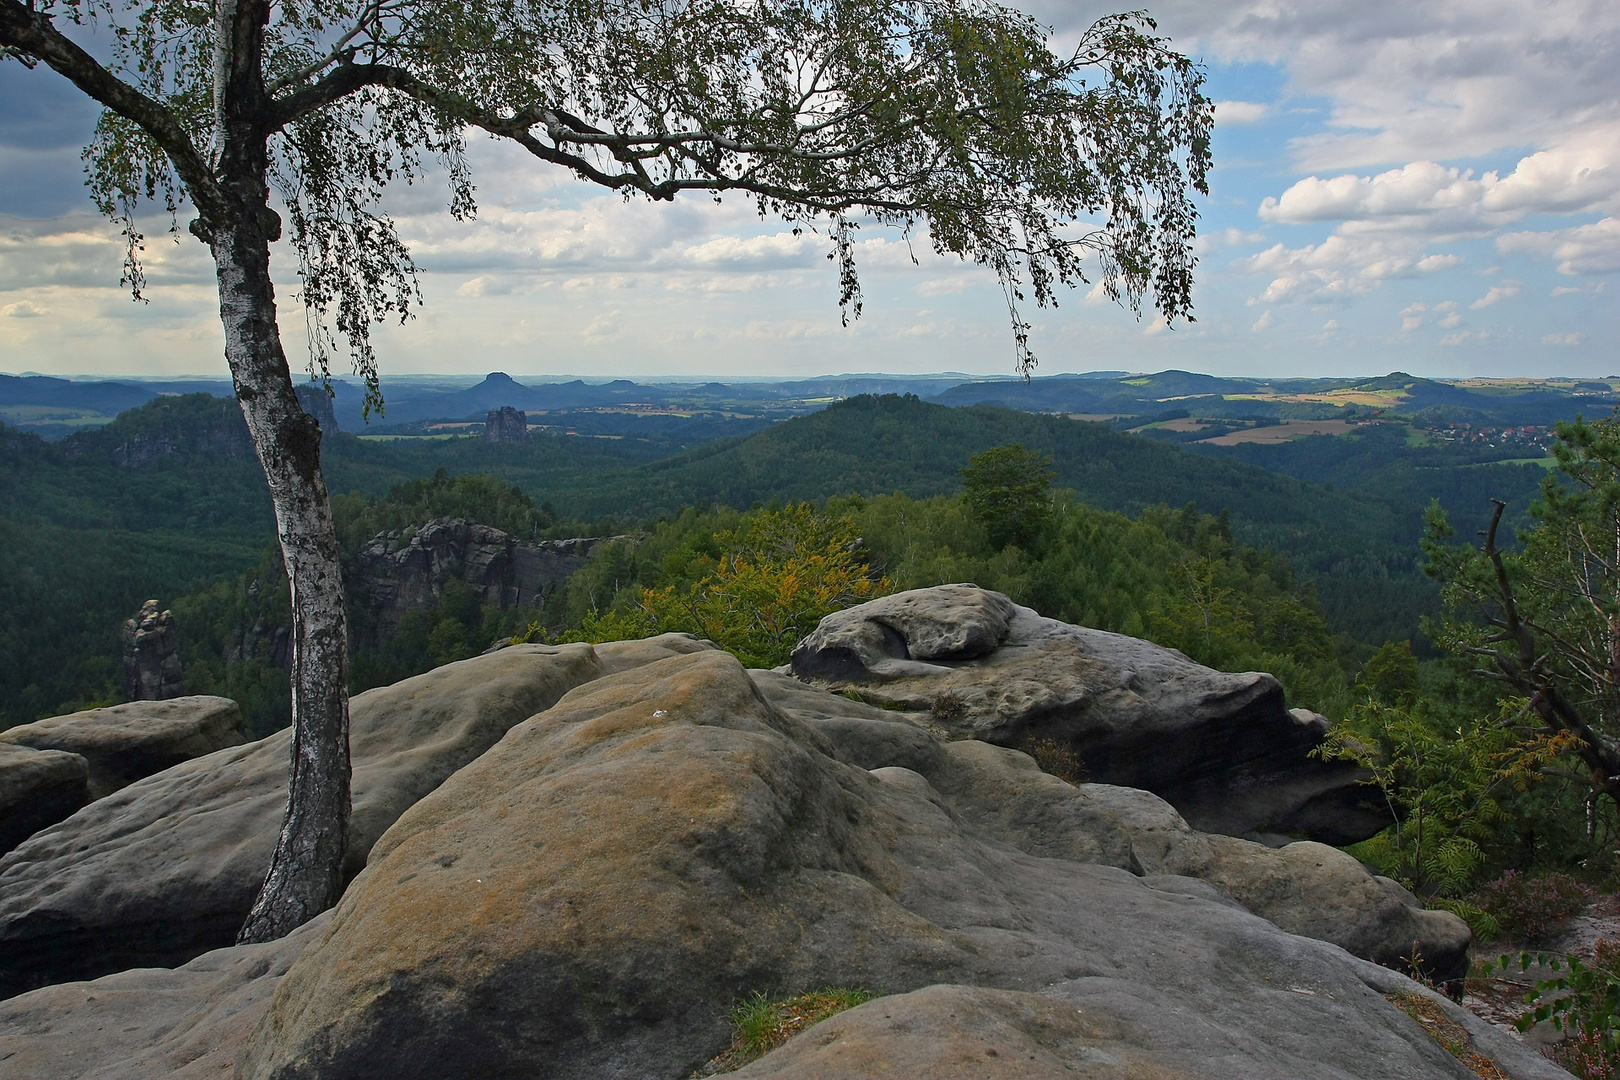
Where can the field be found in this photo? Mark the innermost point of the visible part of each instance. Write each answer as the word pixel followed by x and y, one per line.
pixel 1275 433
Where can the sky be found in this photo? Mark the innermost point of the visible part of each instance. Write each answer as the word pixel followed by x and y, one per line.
pixel 1430 186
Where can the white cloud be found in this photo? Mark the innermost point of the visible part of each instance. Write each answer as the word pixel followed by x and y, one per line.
pixel 1584 249
pixel 1407 81
pixel 1452 201
pixel 1236 113
pixel 1507 290
pixel 1207 242
pixel 23 309
pixel 1463 337
pixel 1338 268
pixel 1565 290
pixel 1262 323
pixel 1571 338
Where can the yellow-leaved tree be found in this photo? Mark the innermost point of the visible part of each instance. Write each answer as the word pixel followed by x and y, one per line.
pixel 780 573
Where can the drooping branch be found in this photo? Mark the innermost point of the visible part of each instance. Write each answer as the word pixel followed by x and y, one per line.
pixel 31 33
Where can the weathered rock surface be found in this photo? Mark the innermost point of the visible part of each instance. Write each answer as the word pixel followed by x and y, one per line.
pixel 126 743
pixel 152 668
pixel 589 897
pixel 1305 888
pixel 406 569
pixel 37 788
pixel 1222 748
pixel 168 867
pixel 1098 1029
pixel 184 1023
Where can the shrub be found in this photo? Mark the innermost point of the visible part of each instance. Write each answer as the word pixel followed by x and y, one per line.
pixel 1056 758
pixel 1532 908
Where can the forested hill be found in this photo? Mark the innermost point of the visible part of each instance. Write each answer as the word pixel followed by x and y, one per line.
pixel 152 507
pixel 1361 546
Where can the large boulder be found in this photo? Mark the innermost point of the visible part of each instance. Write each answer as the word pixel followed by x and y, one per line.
pixel 126 743
pixel 168 867
pixel 37 788
pixel 589 897
pixel 1222 748
pixel 1305 888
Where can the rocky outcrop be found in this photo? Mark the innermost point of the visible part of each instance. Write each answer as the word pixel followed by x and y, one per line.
pixel 168 867
pixel 152 669
pixel 37 788
pixel 589 896
pixel 522 921
pixel 1305 888
pixel 316 400
pixel 126 743
pixel 506 424
pixel 408 568
pixel 1222 748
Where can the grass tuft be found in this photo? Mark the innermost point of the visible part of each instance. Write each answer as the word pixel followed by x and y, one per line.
pixel 760 1024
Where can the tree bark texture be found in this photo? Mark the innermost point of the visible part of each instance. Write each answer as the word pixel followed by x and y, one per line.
pixel 305 875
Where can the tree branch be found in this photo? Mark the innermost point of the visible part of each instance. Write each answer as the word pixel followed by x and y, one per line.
pixel 30 33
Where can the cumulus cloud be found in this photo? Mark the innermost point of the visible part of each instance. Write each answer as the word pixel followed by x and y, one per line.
pixel 1235 113
pixel 1571 338
pixel 1583 249
pixel 1338 268
pixel 1262 323
pixel 1404 81
pixel 1507 290
pixel 1452 201
pixel 23 309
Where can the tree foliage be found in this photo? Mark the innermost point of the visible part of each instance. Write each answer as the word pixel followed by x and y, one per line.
pixel 946 119
pixel 1544 619
pixel 1009 492
pixel 776 576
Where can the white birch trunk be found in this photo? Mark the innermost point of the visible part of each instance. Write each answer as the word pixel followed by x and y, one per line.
pixel 305 875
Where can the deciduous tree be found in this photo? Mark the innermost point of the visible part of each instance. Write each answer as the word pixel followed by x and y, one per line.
pixel 952 116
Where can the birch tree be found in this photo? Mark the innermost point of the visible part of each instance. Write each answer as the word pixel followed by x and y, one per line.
pixel 952 119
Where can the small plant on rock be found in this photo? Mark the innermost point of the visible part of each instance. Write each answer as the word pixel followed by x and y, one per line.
pixel 761 1024
pixel 1056 758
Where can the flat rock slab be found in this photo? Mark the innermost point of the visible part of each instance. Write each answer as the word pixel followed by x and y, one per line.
pixel 38 788
pixel 185 1023
pixel 130 742
pixel 590 896
pixel 1222 747
pixel 168 867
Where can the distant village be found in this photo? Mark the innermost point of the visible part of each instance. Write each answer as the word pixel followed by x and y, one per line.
pixel 1526 435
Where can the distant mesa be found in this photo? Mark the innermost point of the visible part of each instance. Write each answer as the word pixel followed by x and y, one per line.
pixel 506 424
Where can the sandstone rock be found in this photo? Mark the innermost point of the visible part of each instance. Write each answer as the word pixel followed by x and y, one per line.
pixel 589 897
pixel 1321 892
pixel 125 743
pixel 316 400
pixel 506 424
pixel 405 569
pixel 185 1023
pixel 1305 888
pixel 950 622
pixel 37 788
pixel 1222 748
pixel 1104 1031
pixel 152 670
pixel 168 867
